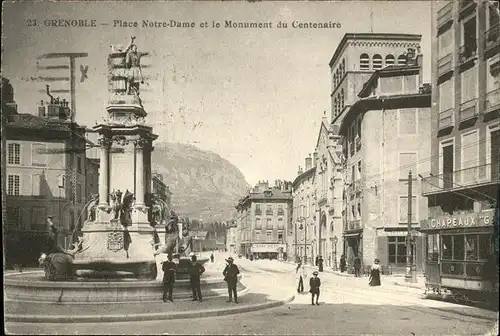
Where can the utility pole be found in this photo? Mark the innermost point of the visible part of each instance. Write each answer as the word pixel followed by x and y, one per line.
pixel 410 275
pixel 296 247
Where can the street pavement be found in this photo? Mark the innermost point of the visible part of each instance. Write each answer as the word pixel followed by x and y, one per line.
pixel 348 306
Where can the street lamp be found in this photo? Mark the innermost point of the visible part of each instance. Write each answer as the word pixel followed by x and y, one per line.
pixel 303 226
pixel 335 241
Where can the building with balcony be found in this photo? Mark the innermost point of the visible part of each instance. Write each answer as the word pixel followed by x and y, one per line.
pixel 304 228
pixel 45 170
pixel 465 138
pixel 159 188
pixel 263 216
pixel 327 196
pixel 386 135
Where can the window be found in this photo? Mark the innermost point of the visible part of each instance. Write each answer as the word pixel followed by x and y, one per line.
pixel 397 250
pixel 257 235
pixel 269 235
pixel 407 162
pixel 335 110
pixel 377 62
pixel 280 236
pixel 14 153
pixel 446 96
pixel 258 224
pixel 258 210
pixel 432 248
pixel 402 60
pixel 35 185
pixel 447 246
pixel 403 209
pixel 269 209
pixel 485 247
pixel 38 156
pixel 13 185
pixel 79 164
pixel 364 62
pixel 470 156
pixel 471 247
pixel 445 43
pixel 469 84
pixel 280 210
pixel 13 217
pixel 78 192
pixel 389 60
pixel 281 222
pixel 469 37
pixel 342 66
pixel 341 99
pixel 269 223
pixel 407 121
pixel 453 247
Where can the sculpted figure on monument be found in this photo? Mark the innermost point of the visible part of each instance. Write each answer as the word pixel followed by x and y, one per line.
pixel 171 235
pixel 126 208
pixel 133 66
pixel 116 200
pixel 91 208
pixel 159 210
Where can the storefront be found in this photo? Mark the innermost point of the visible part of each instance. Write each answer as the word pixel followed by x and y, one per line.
pixel 268 251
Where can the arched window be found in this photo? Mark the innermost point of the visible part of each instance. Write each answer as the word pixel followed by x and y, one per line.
pixel 343 67
pixel 364 62
pixel 335 107
pixel 389 60
pixel 342 99
pixel 339 108
pixel 402 60
pixel 377 62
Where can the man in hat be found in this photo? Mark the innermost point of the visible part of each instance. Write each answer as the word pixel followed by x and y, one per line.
pixel 231 277
pixel 314 284
pixel 195 271
pixel 169 269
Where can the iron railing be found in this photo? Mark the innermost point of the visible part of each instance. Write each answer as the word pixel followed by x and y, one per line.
pixel 464 178
pixel 445 64
pixel 467 51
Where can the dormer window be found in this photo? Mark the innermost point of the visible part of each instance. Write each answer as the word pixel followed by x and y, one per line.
pixel 268 193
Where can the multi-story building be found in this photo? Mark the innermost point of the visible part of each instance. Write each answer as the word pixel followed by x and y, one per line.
pixel 159 188
pixel 386 135
pixel 91 177
pixel 303 220
pixel 354 61
pixel 263 216
pixel 465 119
pixel 45 175
pixel 231 246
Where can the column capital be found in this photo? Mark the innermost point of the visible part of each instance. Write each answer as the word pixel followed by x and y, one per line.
pixel 141 142
pixel 105 142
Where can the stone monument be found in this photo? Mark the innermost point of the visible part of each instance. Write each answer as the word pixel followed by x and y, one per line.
pixel 118 235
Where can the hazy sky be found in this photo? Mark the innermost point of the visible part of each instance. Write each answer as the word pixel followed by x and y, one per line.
pixel 254 96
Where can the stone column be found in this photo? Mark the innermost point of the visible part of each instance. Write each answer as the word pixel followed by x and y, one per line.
pixel 105 144
pixel 140 188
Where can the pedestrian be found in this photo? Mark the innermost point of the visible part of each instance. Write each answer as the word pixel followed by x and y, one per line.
pixel 169 270
pixel 195 271
pixel 314 284
pixel 316 261
pixel 343 263
pixel 357 266
pixel 375 274
pixel 300 275
pixel 231 277
pixel 212 257
pixel 320 264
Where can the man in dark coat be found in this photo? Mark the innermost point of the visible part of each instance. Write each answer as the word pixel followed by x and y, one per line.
pixel 357 266
pixel 195 271
pixel 169 270
pixel 231 277
pixel 314 284
pixel 343 263
pixel 320 264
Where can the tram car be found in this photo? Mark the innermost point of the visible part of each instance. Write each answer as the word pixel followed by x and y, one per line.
pixel 461 256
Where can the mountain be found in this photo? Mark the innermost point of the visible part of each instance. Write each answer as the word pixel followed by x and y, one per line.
pixel 203 184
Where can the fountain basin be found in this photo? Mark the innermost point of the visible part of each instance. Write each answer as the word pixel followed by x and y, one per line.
pixel 34 287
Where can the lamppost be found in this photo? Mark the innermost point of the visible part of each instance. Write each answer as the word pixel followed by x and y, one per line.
pixel 303 226
pixel 335 241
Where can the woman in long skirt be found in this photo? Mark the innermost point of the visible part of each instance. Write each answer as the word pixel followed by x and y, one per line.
pixel 375 274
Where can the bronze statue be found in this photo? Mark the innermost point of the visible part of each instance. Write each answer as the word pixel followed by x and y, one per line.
pixel 116 200
pixel 126 208
pixel 91 208
pixel 133 66
pixel 171 235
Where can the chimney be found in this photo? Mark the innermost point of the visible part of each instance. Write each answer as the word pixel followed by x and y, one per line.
pixel 299 171
pixel 308 162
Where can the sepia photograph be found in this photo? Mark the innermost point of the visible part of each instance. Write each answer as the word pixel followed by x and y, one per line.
pixel 250 167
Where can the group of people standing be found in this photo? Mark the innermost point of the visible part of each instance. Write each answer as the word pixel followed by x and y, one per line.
pixel 314 283
pixel 169 274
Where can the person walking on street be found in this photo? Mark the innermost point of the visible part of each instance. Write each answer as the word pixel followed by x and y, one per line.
pixel 212 257
pixel 375 274
pixel 343 263
pixel 314 284
pixel 169 270
pixel 195 271
pixel 300 275
pixel 231 277
pixel 320 264
pixel 357 266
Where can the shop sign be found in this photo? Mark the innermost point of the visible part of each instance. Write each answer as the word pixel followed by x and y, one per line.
pixel 478 219
pixel 268 247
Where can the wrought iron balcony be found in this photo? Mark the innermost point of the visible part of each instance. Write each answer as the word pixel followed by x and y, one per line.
pixel 485 174
pixel 446 119
pixel 492 39
pixel 468 109
pixel 445 64
pixel 444 15
pixel 467 52
pixel 492 102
